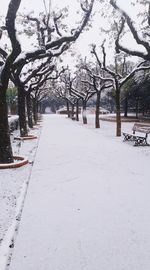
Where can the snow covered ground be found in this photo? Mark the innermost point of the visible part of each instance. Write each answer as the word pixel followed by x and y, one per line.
pixel 87 202
pixel 13 185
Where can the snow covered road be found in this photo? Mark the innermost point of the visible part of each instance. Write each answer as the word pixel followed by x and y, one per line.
pixel 87 206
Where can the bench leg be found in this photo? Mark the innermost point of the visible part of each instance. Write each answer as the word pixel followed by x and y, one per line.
pixel 141 141
pixel 127 137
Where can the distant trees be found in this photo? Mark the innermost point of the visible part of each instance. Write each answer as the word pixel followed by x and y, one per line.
pixel 62 90
pixel 136 94
pixel 79 89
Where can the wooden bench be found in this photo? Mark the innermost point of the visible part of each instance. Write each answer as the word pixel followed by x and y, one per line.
pixel 138 135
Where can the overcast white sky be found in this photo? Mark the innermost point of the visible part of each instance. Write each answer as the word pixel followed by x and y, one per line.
pixel 92 36
pixel 37 5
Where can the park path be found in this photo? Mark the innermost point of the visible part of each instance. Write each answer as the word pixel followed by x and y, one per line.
pixel 87 206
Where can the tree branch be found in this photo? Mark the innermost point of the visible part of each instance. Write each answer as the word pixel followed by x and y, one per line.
pixel 134 33
pixel 16 48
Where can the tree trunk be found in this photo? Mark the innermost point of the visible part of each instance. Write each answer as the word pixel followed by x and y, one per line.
pixel 40 108
pixel 72 111
pixel 35 111
pixel 97 111
pixel 84 113
pixel 118 114
pixel 137 107
pixel 77 110
pixel 22 111
pixel 29 110
pixel 68 109
pixel 6 155
pixel 126 107
pixel 13 108
pixel 144 111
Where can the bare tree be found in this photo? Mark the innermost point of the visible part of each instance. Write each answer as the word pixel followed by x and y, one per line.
pixel 61 91
pixel 98 83
pixel 6 155
pixel 79 89
pixel 73 99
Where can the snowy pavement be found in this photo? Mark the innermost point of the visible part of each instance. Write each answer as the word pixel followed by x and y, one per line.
pixel 87 206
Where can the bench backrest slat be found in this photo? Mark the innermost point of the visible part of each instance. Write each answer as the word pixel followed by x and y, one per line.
pixel 139 127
